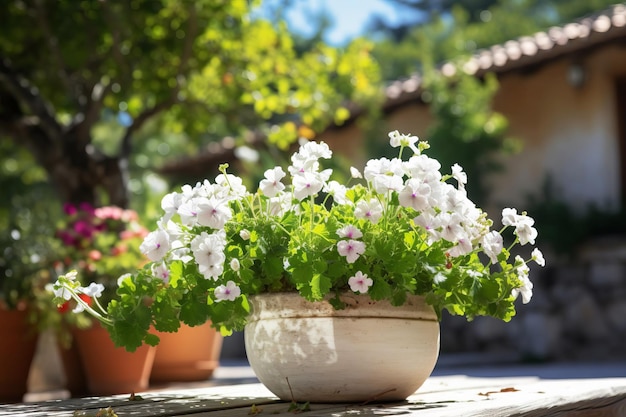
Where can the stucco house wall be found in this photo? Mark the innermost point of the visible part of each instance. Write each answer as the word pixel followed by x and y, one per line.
pixel 567 132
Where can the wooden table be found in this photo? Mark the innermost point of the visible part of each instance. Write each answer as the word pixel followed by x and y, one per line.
pixel 454 395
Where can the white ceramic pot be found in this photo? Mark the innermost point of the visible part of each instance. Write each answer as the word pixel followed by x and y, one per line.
pixel 305 351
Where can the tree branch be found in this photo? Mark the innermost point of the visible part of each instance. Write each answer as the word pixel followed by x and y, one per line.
pixel 83 121
pixel 139 121
pixel 28 96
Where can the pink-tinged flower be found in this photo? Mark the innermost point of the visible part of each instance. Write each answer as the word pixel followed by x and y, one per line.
pixel 350 232
pixel 208 251
pixel 415 194
pixel 271 185
pixel 156 245
pixel 306 184
pixel 229 292
pixel 462 247
pixel 360 282
pixel 371 210
pixel 213 212
pixel 351 249
pixel 161 271
pixel 109 212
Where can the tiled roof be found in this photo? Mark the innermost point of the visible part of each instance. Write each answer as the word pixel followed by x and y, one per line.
pixel 529 50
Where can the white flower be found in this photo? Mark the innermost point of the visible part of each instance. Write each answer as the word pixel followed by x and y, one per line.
pixel 360 282
pixel 439 278
pixel 349 231
pixel 524 230
pixel 509 216
pixel 271 185
pixel 124 277
pixel 384 174
pixel 415 194
pixel 208 251
pixel 233 185
pixel 424 168
pixel 213 212
pixel 315 150
pixel 351 249
pixel 338 191
pixel 78 309
pixel 462 247
pixel 244 234
pixel 355 173
pixel 161 271
pixel 452 231
pixel 93 290
pixel 170 204
pixel 234 264
pixel 526 289
pixel 492 244
pixel 371 210
pixel 229 292
pixel 537 256
pixel 306 184
pixel 459 175
pixel 155 245
pixel 60 291
pixel 188 212
pixel 396 139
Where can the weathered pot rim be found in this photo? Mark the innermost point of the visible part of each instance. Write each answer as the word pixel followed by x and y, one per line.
pixel 293 305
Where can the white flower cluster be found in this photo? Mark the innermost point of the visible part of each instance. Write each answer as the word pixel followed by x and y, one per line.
pixel 444 211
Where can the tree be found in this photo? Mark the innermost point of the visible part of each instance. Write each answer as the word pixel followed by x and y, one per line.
pixel 205 68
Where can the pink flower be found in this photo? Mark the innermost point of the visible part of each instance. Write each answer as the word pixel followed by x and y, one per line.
pixel 360 282
pixel 351 249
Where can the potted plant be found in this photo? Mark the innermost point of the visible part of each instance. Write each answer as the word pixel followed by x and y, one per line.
pixel 101 243
pixel 295 265
pixel 26 251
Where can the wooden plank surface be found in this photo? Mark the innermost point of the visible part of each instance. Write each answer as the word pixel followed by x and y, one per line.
pixel 440 396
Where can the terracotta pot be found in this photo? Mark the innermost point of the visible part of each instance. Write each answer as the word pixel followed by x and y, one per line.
pixel 191 354
pixel 370 350
pixel 109 369
pixel 75 379
pixel 18 341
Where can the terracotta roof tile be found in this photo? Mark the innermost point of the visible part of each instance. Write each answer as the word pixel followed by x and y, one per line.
pixel 529 50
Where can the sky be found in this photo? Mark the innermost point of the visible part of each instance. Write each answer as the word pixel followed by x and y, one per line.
pixel 350 16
